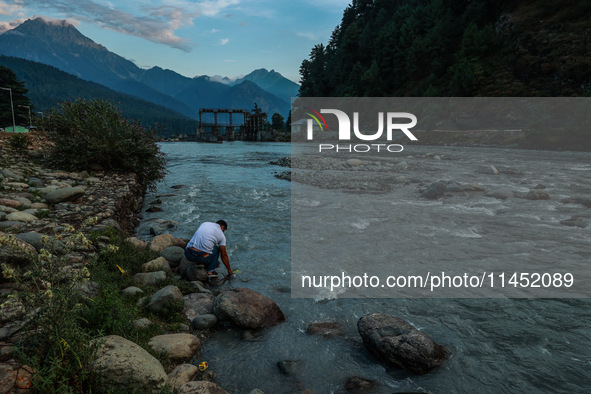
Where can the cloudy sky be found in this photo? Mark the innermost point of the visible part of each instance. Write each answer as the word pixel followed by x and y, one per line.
pixel 195 37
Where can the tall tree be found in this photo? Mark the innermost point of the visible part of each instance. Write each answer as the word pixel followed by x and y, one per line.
pixel 20 101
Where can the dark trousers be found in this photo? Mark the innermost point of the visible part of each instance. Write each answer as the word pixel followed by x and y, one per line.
pixel 210 262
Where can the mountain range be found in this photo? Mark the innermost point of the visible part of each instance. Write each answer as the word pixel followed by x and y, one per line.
pixel 61 45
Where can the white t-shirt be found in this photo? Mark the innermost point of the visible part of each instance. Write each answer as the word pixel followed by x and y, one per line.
pixel 207 236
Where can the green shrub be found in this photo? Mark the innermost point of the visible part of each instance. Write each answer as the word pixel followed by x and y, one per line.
pixel 18 142
pixel 86 133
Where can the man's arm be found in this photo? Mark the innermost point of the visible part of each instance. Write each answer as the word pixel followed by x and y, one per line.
pixel 225 259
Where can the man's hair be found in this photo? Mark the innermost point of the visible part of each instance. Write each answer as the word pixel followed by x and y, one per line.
pixel 222 223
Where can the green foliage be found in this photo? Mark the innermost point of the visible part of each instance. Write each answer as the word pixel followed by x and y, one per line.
pixel 94 132
pixel 8 79
pixel 277 121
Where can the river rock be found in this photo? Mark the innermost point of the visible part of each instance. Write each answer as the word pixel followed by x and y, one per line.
pixel 175 346
pixel 15 251
pixel 204 322
pixel 64 194
pixel 289 367
pixel 354 162
pixel 137 243
pixel 398 344
pixel 6 210
pixel 42 241
pixel 577 221
pixel 197 304
pixel 501 194
pixel 126 366
pixel 173 254
pixel 201 387
pixel 247 309
pixel 158 264
pixel 192 272
pixel 7 202
pixel 163 241
pixel 325 329
pixel 165 297
pixel 150 278
pixel 537 194
pixel 21 217
pixel 359 385
pixel 181 375
pixel 143 323
pixel 132 291
pixel 16 378
pixel 434 191
pixel 578 200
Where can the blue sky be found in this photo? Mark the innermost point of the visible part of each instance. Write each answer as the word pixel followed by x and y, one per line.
pixel 211 37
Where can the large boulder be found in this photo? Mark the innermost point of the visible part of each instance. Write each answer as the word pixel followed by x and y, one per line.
pixel 150 278
pixel 398 344
pixel 123 365
pixel 191 271
pixel 158 264
pixel 42 241
pixel 175 346
pixel 181 375
pixel 173 255
pixel 15 251
pixel 247 309
pixel 434 191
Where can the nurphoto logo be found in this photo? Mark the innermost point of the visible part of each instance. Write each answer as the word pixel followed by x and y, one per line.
pixel 392 121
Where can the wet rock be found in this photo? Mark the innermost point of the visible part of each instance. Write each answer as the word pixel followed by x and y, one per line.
pixel 181 375
pixel 434 191
pixel 501 194
pixel 126 366
pixel 247 309
pixel 175 346
pixel 198 304
pixel 176 187
pixel 354 162
pixel 578 200
pixel 192 272
pixel 537 194
pixel 577 221
pixel 359 385
pixel 398 344
pixel 173 255
pixel 201 387
pixel 163 227
pixel 164 298
pixel 154 208
pixel 326 329
pixel 204 322
pixel 289 367
pixel 64 194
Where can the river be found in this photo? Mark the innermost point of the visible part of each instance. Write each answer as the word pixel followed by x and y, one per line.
pixel 497 345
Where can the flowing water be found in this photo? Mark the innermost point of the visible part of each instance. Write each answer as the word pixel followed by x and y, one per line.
pixel 496 345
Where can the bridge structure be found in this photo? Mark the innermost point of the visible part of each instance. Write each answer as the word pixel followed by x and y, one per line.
pixel 248 130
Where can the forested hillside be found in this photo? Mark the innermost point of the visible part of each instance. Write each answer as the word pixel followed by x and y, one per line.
pixel 454 48
pixel 47 86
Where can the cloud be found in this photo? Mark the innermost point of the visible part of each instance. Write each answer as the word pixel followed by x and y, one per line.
pixel 5 26
pixel 10 9
pixel 309 35
pixel 156 22
pixel 224 41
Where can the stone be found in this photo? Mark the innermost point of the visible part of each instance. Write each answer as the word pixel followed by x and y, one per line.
pixel 354 162
pixel 577 221
pixel 163 241
pixel 398 344
pixel 15 251
pixel 326 329
pixel 132 291
pixel 359 385
pixel 192 272
pixel 10 203
pixel 180 346
pixel 64 194
pixel 247 309
pixel 21 217
pixel 501 194
pixel 204 322
pixel 150 278
pixel 578 200
pixel 434 191
pixel 89 289
pixel 154 208
pixel 201 387
pixel 143 323
pixel 158 264
pixel 126 366
pixel 42 241
pixel 173 254
pixel 289 367
pixel 16 378
pixel 181 375
pixel 197 304
pixel 13 173
pixel 11 225
pixel 163 227
pixel 136 242
pixel 5 209
pixel 537 194
pixel 165 297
